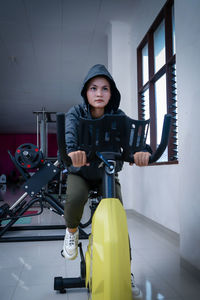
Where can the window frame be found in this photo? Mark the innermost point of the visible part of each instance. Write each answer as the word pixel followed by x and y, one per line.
pixel 168 68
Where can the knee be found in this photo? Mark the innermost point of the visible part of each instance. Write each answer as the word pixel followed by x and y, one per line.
pixel 76 198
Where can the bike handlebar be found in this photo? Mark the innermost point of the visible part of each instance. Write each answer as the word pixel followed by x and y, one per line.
pixel 60 119
pixel 164 140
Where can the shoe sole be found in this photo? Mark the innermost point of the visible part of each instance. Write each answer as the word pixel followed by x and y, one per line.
pixel 67 256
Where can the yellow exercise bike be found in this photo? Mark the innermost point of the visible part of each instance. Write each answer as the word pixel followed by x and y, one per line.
pixel 106 268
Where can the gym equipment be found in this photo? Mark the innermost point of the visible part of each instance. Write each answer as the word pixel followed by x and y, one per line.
pixel 39 187
pixel 2 184
pixel 106 270
pixel 44 119
pixel 28 157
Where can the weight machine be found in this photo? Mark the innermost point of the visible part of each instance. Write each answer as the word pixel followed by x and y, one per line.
pixel 29 157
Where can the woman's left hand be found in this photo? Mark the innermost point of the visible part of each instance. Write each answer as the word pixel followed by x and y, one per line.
pixel 141 159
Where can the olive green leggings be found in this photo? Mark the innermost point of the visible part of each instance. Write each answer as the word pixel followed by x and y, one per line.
pixel 77 196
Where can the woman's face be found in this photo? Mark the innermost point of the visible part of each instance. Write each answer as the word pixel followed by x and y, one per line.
pixel 98 93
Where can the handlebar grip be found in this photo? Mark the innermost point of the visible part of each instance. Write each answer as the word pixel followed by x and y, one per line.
pixel 60 122
pixel 164 139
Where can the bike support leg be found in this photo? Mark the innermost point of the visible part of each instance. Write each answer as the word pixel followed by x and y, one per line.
pixel 61 284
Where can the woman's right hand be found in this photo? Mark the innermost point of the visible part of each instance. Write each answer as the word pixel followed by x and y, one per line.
pixel 79 158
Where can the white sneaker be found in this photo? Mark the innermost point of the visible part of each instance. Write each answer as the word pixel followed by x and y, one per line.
pixel 136 292
pixel 70 246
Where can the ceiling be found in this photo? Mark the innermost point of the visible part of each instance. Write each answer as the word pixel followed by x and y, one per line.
pixel 46 49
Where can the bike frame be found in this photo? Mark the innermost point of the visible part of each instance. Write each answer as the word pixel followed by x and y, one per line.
pixel 108 266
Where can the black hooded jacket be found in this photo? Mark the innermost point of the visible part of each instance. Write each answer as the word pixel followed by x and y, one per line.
pixel 91 172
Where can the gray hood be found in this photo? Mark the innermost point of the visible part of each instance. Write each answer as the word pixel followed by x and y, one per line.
pixel 100 70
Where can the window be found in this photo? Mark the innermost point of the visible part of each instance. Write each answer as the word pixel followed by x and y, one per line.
pixel 156 60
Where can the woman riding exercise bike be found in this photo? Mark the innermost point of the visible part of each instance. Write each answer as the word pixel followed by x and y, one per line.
pixel 107 140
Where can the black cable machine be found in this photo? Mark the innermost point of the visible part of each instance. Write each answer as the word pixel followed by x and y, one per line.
pixel 28 156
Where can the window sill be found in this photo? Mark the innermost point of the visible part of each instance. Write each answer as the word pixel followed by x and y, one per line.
pixel 174 162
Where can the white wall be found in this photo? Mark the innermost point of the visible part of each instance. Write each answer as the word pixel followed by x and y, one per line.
pixel 188 78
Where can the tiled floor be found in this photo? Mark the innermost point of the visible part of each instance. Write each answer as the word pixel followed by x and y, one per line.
pixel 27 269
